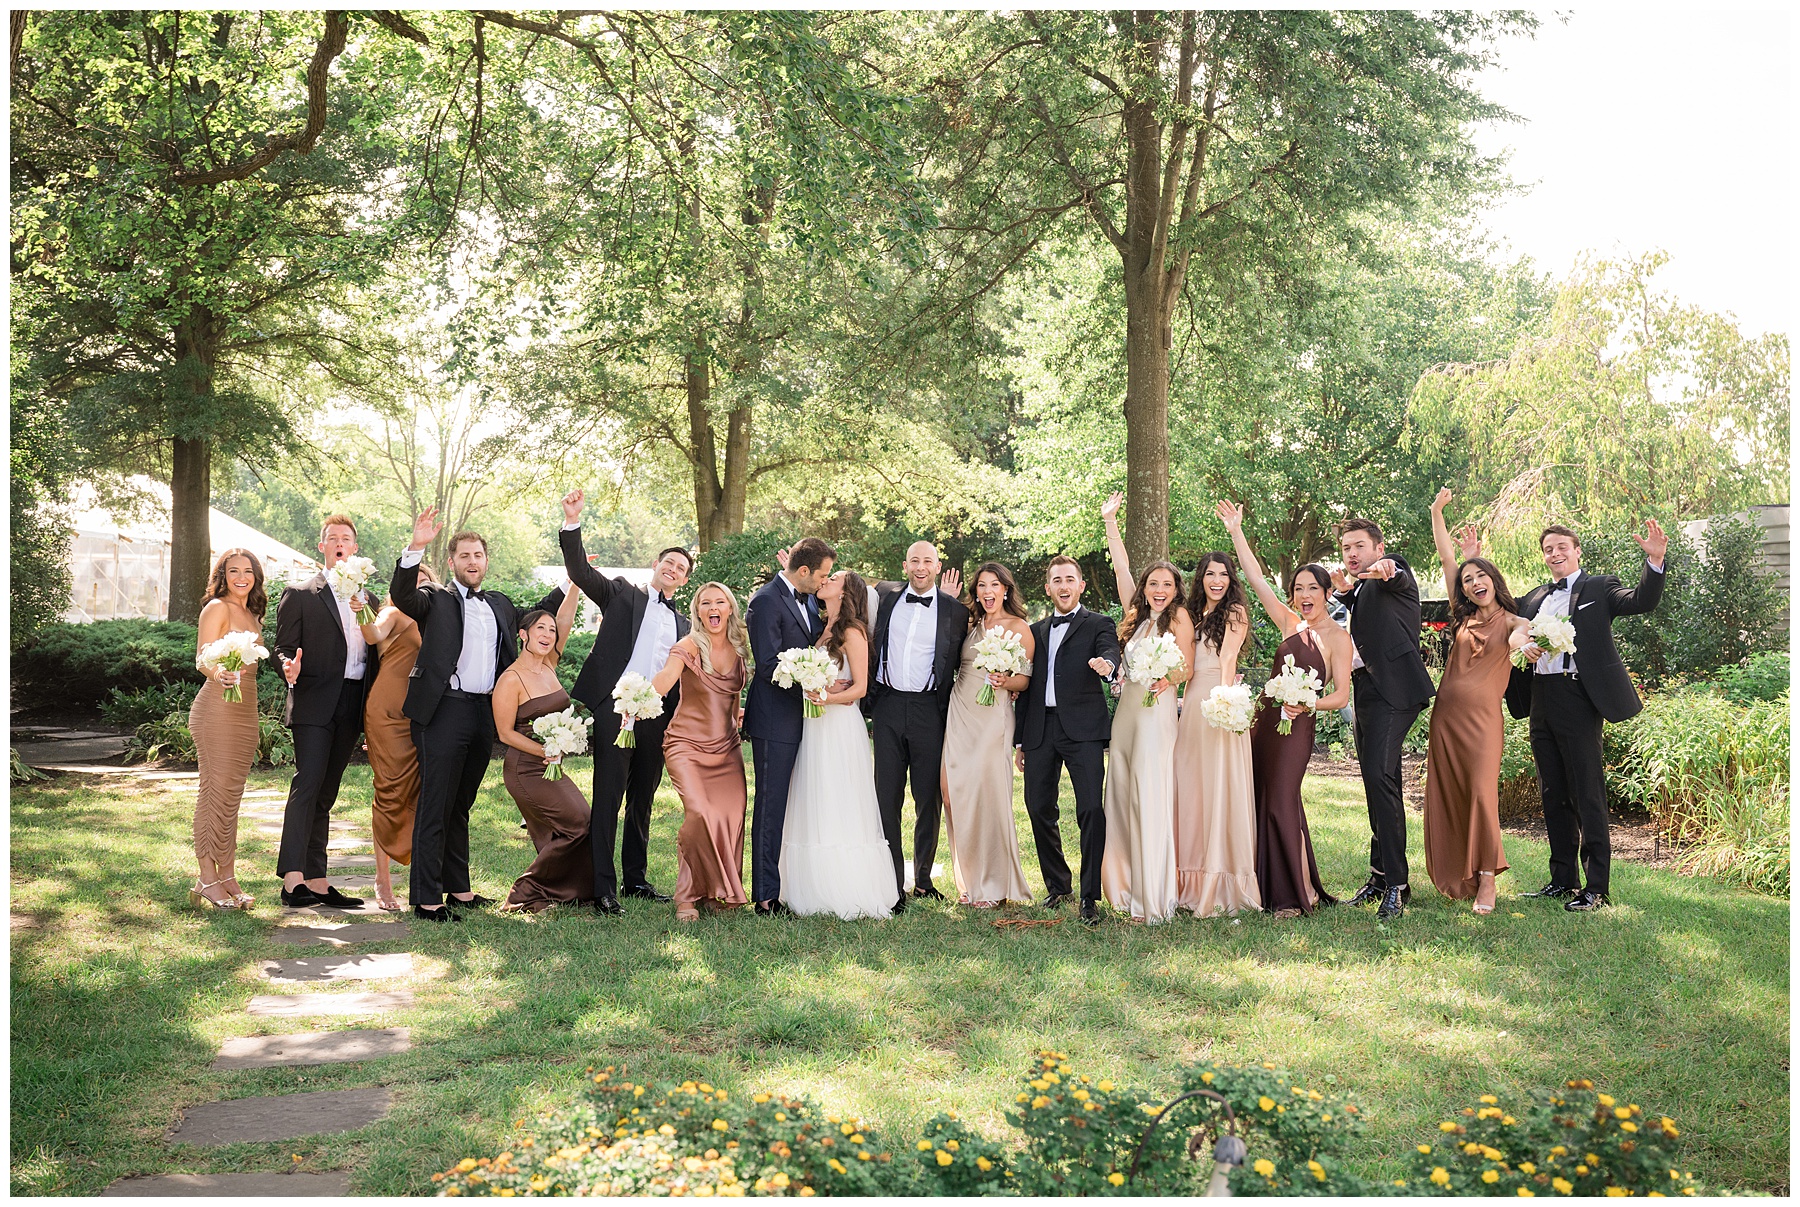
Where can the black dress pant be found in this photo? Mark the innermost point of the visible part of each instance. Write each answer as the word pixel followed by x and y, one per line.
pixel 1565 743
pixel 453 756
pixel 909 738
pixel 1380 732
pixel 1086 761
pixel 629 776
pixel 774 763
pixel 321 752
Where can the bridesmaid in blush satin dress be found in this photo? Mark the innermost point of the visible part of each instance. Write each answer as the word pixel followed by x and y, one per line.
pixel 704 753
pixel 1287 874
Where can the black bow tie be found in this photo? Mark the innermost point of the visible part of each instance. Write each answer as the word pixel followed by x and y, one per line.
pixel 918 599
pixel 1065 618
pixel 659 597
pixel 1562 584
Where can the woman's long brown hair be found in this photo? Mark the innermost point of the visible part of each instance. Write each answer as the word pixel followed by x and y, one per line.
pixel 1010 605
pixel 1141 603
pixel 216 587
pixel 1211 626
pixel 853 613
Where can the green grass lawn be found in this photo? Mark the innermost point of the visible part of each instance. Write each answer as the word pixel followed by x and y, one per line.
pixel 1676 999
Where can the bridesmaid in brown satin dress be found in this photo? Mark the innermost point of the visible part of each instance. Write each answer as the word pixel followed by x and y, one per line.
pixel 226 736
pixel 705 753
pixel 1468 731
pixel 555 811
pixel 393 760
pixel 1287 873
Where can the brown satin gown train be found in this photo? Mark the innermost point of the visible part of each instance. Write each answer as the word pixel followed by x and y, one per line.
pixel 1462 764
pixel 226 737
pixel 556 817
pixel 1286 871
pixel 705 758
pixel 393 760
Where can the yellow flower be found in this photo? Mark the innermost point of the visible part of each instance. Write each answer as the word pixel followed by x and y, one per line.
pixel 781 1116
pixel 1052 1078
pixel 953 1145
pixel 1039 1084
pixel 1628 1126
pixel 719 1125
pixel 1022 1098
pixel 924 1146
pixel 1117 1179
pixel 1491 1176
pixel 1687 1190
pixel 863 1155
pixel 1105 1087
pixel 807 1192
pixel 1492 1154
pixel 1616 1192
pixel 983 1164
pixel 857 1138
pixel 1266 1103
pixel 780 1181
pixel 1326 1116
pixel 1471 1148
pixel 836 1164
pixel 1606 1099
pixel 1039 1102
pixel 1447 1127
pixel 1563 1185
pixel 1526 1194
pixel 1318 1170
pixel 1090 1106
pixel 759 1099
pixel 1265 1167
pixel 638 1092
pixel 705 1089
pixel 1206 1078
pixel 1425 1149
pixel 1489 1099
pixel 1527 1167
pixel 1581 1169
pixel 1508 1120
pixel 1559 1151
pixel 1669 1126
pixel 465 1165
pixel 1441 1176
pixel 703 1192
pixel 666 1130
pixel 1080 1095
pixel 944 1158
pixel 1267 1065
pixel 1621 1112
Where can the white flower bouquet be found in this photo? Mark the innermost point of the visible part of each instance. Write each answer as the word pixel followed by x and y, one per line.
pixel 232 652
pixel 635 699
pixel 807 667
pixel 347 578
pixel 1229 706
pixel 562 733
pixel 1296 685
pixel 1552 634
pixel 1151 660
pixel 999 652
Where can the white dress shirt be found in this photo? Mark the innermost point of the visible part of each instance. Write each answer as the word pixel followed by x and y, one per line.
pixel 656 636
pixel 478 664
pixel 356 650
pixel 1562 603
pixel 1056 636
pixel 911 643
pixel 799 604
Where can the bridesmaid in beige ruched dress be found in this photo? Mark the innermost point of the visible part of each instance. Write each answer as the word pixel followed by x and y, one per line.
pixel 704 753
pixel 977 779
pixel 1215 790
pixel 393 760
pixel 226 735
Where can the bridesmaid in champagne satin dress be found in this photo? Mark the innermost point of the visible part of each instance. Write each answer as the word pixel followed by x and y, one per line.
pixel 393 760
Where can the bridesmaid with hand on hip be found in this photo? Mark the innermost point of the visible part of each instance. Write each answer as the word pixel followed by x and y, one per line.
pixel 227 735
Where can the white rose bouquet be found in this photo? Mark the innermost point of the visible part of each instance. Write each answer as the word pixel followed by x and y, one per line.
pixel 807 667
pixel 1552 634
pixel 1151 660
pixel 347 578
pixel 635 699
pixel 1229 706
pixel 999 652
pixel 232 652
pixel 562 733
pixel 1296 685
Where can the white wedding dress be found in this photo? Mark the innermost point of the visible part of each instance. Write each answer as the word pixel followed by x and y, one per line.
pixel 834 858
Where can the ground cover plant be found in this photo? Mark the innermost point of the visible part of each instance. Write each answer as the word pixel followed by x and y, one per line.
pixel 1675 999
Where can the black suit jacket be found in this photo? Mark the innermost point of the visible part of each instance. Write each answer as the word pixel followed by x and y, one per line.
pixel 438 609
pixel 307 618
pixel 952 629
pixel 622 607
pixel 1600 670
pixel 1384 624
pixel 774 713
pixel 1080 693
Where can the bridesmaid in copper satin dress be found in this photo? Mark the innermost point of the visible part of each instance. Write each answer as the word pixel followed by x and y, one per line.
pixel 705 754
pixel 556 813
pixel 393 760
pixel 226 735
pixel 1287 873
pixel 1468 731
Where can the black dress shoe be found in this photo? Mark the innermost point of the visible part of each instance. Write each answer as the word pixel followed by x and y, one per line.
pixel 927 891
pixel 1554 891
pixel 337 900
pixel 1372 890
pixel 647 891
pixel 475 901
pixel 606 903
pixel 1090 914
pixel 1392 904
pixel 1586 902
pixel 299 897
pixel 442 914
pixel 1056 900
pixel 899 907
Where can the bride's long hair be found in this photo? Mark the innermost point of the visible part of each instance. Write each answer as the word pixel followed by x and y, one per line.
pixel 734 627
pixel 853 613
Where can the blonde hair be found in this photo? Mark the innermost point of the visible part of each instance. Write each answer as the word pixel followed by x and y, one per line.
pixel 735 632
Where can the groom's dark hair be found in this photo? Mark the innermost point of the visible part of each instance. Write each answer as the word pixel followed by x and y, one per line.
pixel 810 554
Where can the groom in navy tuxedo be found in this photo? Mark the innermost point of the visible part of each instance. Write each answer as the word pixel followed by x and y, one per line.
pixel 783 615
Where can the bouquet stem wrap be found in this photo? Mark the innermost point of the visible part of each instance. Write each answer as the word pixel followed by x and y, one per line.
pixel 1151 660
pixel 1296 685
pixel 999 652
pixel 810 669
pixel 562 733
pixel 232 652
pixel 634 699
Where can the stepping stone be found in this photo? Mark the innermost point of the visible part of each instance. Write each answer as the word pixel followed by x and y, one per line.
pixel 310 1048
pixel 372 967
pixel 351 861
pixel 233 1185
pixel 340 936
pixel 70 735
pixel 85 768
pixel 168 775
pixel 266 793
pixel 368 907
pixel 347 844
pixel 310 1005
pixel 89 750
pixel 24 922
pixel 285 1117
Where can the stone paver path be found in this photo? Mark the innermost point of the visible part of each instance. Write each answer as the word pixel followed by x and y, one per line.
pixel 311 1048
pixel 286 1117
pixel 339 968
pixel 233 1185
pixel 308 1005
pixel 340 936
pixel 351 861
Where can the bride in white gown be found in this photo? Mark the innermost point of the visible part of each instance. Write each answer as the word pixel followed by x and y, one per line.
pixel 834 859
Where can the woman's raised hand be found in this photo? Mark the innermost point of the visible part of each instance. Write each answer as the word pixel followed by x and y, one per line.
pixel 1110 509
pixel 1230 514
pixel 1442 500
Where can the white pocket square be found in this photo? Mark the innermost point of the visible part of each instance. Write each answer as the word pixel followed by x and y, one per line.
pixel 1590 603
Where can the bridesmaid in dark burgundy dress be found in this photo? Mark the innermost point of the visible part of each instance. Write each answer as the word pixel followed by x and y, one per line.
pixel 1287 874
pixel 555 811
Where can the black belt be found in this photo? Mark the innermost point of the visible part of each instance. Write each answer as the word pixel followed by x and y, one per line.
pixel 459 694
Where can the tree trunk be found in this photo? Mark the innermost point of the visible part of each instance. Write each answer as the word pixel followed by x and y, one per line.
pixel 190 527
pixel 1147 343
pixel 708 496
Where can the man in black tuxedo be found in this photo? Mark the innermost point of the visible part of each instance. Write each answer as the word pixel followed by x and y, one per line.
pixel 916 646
pixel 1569 696
pixel 1061 719
pixel 783 615
pixel 637 629
pixel 324 711
pixel 1390 688
pixel 467 638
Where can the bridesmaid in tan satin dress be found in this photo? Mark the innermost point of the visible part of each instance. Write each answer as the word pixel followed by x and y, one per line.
pixel 1468 731
pixel 977 779
pixel 393 760
pixel 704 753
pixel 1215 790
pixel 226 735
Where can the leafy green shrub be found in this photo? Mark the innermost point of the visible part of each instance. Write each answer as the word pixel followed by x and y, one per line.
pixel 1296 1133
pixel 574 654
pixel 1758 677
pixel 133 708
pixel 275 742
pixel 23 772
pixel 78 665
pixel 742 561
pixel 168 737
pixel 1519 797
pixel 1571 1142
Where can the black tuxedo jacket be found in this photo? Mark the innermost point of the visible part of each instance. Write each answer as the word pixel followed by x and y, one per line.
pixel 307 618
pixel 1599 669
pixel 1384 624
pixel 952 630
pixel 771 712
pixel 1080 693
pixel 438 609
pixel 622 607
